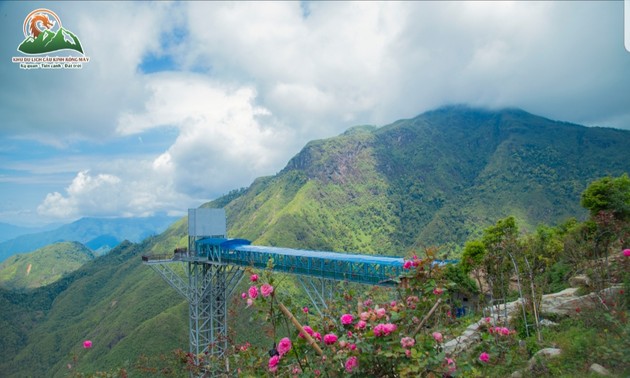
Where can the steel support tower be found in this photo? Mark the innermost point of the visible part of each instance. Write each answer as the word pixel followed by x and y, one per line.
pixel 207 272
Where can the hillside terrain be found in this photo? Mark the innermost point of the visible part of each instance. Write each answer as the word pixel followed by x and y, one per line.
pixel 43 266
pixel 437 179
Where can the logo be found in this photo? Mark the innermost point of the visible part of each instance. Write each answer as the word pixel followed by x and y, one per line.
pixel 44 34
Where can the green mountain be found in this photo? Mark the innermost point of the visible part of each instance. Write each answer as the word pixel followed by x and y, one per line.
pixel 49 41
pixel 43 266
pixel 437 178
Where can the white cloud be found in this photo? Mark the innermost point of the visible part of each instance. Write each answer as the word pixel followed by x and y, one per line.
pixel 256 81
pixel 225 139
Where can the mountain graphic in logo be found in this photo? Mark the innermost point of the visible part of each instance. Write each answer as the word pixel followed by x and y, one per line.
pixel 43 34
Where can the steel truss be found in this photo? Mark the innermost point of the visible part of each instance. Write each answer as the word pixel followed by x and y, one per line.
pixel 207 291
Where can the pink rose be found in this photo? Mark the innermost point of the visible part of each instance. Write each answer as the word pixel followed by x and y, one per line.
pixel 250 302
pixel 253 277
pixel 484 357
pixel 317 336
pixel 389 328
pixel 438 337
pixel 626 252
pixel 407 353
pixel 407 264
pixel 351 363
pixel 380 312
pixel 273 363
pixel 346 319
pixel 284 346
pixel 305 310
pixel 253 292
pixel 361 324
pixel 266 290
pixel 87 344
pixel 437 291
pixel 243 295
pixel 407 342
pixel 308 330
pixel 330 339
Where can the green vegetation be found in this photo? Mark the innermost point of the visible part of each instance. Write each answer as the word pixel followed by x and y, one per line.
pixel 43 266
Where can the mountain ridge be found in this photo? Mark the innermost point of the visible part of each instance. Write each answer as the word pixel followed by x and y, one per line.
pixel 87 231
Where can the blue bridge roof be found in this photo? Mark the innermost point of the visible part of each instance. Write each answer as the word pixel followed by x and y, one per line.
pixel 369 269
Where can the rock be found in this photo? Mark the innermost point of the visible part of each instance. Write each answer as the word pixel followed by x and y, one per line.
pixel 580 281
pixel 547 323
pixel 543 354
pixel 599 369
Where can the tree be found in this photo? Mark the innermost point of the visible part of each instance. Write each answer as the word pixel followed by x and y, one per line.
pixel 608 194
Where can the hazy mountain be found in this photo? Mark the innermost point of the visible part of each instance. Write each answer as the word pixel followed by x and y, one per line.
pixel 97 232
pixel 9 231
pixel 439 177
pixel 43 266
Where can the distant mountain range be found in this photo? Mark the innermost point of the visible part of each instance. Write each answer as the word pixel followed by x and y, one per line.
pixel 10 231
pixel 436 179
pixel 99 234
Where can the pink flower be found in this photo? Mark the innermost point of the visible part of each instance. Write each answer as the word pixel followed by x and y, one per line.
pixel 87 344
pixel 330 339
pixel 484 357
pixel 407 264
pixel 626 252
pixel 392 303
pixel 351 363
pixel 364 315
pixel 305 310
pixel 346 319
pixel 308 330
pixel 505 331
pixel 437 291
pixel 438 337
pixel 367 302
pixel 488 319
pixel 284 346
pixel 384 329
pixel 243 295
pixel 407 353
pixel 273 363
pixel 407 342
pixel 389 328
pixel 361 324
pixel 317 336
pixel 352 346
pixel 253 277
pixel 451 365
pixel 250 302
pixel 253 292
pixel 349 333
pixel 380 312
pixel 266 290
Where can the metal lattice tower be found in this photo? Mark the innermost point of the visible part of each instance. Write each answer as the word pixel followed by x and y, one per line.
pixel 214 266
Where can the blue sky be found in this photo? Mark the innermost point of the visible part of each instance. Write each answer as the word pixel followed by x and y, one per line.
pixel 183 102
